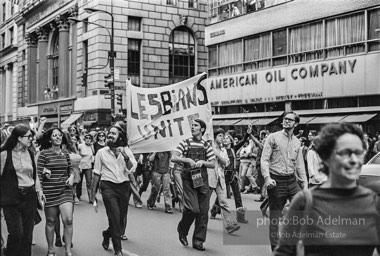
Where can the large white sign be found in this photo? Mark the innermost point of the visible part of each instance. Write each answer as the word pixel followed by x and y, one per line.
pixel 341 77
pixel 159 118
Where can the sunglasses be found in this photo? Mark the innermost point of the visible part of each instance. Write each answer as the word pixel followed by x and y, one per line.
pixel 28 136
pixel 57 135
pixel 88 138
pixel 101 135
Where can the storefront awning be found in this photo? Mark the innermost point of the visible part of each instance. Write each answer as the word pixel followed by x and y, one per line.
pixel 326 119
pixel 358 118
pixel 71 120
pixel 246 122
pixel 265 121
pixel 305 120
pixel 226 122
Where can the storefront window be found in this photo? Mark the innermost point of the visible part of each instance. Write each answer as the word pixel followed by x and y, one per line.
pixel 181 55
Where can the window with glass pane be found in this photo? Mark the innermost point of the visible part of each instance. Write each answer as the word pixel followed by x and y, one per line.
pixel 2 40
pixel 230 57
pixel 134 54
pixel 55 66
pixel 171 2
pixel 306 42
pixel 212 56
pixel 181 55
pixel 280 44
pixel 11 35
pixel 374 30
pixel 345 35
pixel 257 52
pixel 4 11
pixel 134 23
pixel 193 3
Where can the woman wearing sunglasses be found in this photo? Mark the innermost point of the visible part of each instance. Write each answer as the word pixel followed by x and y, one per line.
pixel 100 141
pixel 18 186
pixel 56 174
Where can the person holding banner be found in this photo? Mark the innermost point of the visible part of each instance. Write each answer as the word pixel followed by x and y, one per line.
pixel 113 164
pixel 195 155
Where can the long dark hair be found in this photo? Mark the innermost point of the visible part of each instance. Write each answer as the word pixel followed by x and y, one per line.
pixel 45 139
pixel 11 142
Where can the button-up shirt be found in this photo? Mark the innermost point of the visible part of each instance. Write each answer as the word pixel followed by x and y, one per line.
pixel 112 168
pixel 282 155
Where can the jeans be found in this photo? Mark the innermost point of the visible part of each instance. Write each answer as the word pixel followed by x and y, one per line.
pixel 159 179
pixel 228 219
pixel 196 205
pixel 115 198
pixel 232 180
pixel 88 174
pixel 20 224
pixel 285 189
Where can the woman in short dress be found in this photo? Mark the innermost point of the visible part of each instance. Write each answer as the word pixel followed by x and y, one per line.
pixel 56 175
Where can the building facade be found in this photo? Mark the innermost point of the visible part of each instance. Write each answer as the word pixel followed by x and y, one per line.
pixel 8 61
pixel 63 54
pixel 319 58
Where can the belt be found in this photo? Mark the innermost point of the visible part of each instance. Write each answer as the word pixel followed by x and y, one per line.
pixel 26 190
pixel 284 177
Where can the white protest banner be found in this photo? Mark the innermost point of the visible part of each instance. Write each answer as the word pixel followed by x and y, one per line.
pixel 158 119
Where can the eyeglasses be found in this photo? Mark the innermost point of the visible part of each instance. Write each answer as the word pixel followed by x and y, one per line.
pixel 57 135
pixel 289 119
pixel 347 153
pixel 88 138
pixel 101 135
pixel 28 136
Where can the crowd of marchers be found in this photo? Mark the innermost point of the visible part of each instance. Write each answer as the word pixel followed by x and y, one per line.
pixel 305 175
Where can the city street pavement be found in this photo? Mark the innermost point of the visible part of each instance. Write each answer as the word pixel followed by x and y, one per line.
pixel 153 232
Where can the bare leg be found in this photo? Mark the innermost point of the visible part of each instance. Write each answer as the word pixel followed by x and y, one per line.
pixel 51 214
pixel 67 219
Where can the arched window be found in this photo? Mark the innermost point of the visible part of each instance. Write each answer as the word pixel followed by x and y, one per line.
pixel 181 55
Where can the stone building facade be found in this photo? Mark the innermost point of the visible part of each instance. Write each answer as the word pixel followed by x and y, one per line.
pixel 62 62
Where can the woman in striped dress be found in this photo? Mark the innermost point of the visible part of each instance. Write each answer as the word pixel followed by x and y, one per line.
pixel 56 175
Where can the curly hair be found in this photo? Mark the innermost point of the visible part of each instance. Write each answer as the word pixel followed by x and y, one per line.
pixel 45 142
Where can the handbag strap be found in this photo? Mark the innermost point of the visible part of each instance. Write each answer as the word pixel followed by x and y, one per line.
pixel 68 164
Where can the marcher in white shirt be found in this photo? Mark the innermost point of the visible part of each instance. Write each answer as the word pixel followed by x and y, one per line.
pixel 113 164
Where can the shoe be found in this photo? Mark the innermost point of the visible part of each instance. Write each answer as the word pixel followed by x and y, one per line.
pixel 58 242
pixel 33 242
pixel 106 240
pixel 119 253
pixel 124 237
pixel 68 254
pixel 150 207
pixel 183 240
pixel 169 211
pixel 52 253
pixel 198 246
pixel 212 216
pixel 138 205
pixel 233 228
pixel 260 199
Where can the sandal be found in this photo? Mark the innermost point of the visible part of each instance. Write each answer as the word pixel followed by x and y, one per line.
pixel 124 237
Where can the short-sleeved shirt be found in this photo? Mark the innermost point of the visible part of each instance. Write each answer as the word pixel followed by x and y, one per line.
pixel 183 148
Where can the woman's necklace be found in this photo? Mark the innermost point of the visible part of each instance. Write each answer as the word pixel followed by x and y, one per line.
pixel 57 151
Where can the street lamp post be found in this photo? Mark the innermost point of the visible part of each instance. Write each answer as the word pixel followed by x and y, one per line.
pixel 111 56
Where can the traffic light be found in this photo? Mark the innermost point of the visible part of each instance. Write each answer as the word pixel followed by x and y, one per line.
pixel 108 80
pixel 119 99
pixel 84 79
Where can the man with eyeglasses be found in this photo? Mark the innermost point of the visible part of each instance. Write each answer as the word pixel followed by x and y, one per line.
pixel 282 166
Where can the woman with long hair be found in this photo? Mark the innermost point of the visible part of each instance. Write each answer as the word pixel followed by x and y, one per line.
pixel 57 177
pixel 20 190
pixel 100 141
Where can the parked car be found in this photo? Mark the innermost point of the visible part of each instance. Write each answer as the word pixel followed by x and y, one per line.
pixel 370 175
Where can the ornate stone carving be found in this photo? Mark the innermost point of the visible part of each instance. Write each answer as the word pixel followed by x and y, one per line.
pixel 73 12
pixel 183 19
pixel 42 34
pixel 62 22
pixel 31 39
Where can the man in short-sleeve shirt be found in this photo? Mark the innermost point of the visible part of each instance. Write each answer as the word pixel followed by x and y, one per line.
pixel 195 155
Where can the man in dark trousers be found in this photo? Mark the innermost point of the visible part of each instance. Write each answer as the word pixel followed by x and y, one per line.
pixel 195 155
pixel 282 166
